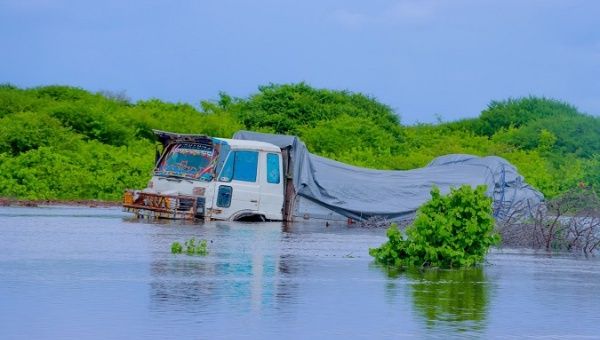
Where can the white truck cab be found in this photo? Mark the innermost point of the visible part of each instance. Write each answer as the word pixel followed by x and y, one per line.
pixel 200 177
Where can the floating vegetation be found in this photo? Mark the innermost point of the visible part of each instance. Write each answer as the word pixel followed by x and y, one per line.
pixel 190 247
pixel 176 248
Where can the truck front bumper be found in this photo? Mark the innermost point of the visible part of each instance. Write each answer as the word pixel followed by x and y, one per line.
pixel 178 207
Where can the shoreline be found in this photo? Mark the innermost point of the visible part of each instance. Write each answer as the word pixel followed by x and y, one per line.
pixel 10 202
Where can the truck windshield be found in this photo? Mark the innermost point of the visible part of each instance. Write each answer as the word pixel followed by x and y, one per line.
pixel 193 161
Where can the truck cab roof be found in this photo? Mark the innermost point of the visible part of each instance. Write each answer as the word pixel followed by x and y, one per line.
pixel 237 144
pixel 167 138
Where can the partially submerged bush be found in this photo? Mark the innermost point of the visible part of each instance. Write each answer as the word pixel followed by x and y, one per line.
pixel 455 230
pixel 193 248
pixel 176 248
pixel 190 247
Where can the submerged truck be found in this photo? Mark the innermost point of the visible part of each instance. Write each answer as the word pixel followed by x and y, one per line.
pixel 267 177
pixel 201 177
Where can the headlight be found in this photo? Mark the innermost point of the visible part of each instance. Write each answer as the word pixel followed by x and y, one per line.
pixel 128 197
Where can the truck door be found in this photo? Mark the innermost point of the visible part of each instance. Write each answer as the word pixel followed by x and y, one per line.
pixel 271 187
pixel 237 187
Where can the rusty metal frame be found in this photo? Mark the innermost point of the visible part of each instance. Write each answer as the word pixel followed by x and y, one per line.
pixel 159 205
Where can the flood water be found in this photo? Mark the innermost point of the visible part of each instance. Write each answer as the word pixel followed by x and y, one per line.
pixel 93 273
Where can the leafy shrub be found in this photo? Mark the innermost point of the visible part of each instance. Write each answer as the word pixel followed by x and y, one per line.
pixel 355 140
pixel 576 135
pixel 62 93
pixel 82 170
pixel 176 248
pixel 521 111
pixel 591 173
pixel 190 247
pixel 285 108
pixel 94 119
pixel 455 230
pixel 24 131
pixel 193 248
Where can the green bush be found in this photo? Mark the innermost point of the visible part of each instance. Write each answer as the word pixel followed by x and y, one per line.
pixel 576 135
pixel 190 247
pixel 24 131
pixel 176 248
pixel 288 107
pixel 193 248
pixel 518 112
pixel 82 170
pixel 450 231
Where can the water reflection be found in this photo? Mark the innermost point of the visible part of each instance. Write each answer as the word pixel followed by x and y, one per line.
pixel 456 300
pixel 246 271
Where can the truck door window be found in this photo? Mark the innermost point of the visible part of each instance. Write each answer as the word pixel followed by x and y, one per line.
pixel 244 167
pixel 241 166
pixel 273 168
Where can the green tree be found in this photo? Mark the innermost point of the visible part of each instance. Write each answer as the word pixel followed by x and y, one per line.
pixel 287 108
pixel 521 111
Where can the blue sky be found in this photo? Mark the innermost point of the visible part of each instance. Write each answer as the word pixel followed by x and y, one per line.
pixel 426 59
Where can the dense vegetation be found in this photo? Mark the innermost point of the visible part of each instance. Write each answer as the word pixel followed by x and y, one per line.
pixel 60 142
pixel 449 231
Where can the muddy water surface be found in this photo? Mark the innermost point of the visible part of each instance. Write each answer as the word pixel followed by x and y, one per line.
pixel 94 273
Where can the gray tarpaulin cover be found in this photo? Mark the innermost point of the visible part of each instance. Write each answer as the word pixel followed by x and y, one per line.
pixel 361 193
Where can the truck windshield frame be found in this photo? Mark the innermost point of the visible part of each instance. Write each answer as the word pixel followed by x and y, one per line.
pixel 188 160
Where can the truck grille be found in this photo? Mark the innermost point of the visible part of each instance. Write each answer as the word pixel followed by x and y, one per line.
pixel 163 206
